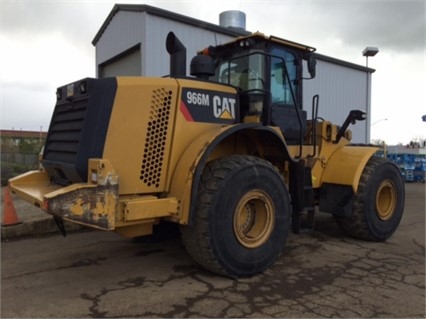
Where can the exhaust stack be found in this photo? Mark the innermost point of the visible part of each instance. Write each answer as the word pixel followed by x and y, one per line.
pixel 177 53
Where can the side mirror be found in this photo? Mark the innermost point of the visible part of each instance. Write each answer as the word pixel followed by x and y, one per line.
pixel 312 63
pixel 354 115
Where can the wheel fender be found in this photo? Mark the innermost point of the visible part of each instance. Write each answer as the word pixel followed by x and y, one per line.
pixel 185 180
pixel 345 166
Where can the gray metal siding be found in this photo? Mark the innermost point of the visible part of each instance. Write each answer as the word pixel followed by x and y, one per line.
pixel 156 58
pixel 340 90
pixel 127 65
pixel 129 28
pixel 123 32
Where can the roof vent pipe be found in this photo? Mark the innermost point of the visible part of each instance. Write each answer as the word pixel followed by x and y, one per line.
pixel 177 53
pixel 233 19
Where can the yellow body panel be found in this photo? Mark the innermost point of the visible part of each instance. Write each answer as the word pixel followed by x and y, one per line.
pixel 345 166
pixel 186 132
pixel 32 187
pixel 181 186
pixel 146 207
pixel 144 148
pixel 139 133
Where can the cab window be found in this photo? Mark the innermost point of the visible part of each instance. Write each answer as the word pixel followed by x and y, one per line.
pixel 283 77
pixel 246 71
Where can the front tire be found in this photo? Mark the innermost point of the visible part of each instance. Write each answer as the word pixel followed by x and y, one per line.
pixel 378 204
pixel 242 217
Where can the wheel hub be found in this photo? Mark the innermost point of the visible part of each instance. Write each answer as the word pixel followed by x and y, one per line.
pixel 385 200
pixel 254 219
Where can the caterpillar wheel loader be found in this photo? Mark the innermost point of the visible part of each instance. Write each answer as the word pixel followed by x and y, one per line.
pixel 227 153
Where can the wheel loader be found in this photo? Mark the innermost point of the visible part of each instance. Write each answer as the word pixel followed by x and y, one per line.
pixel 227 153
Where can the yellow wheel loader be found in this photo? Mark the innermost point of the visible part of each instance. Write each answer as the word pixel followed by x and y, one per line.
pixel 227 153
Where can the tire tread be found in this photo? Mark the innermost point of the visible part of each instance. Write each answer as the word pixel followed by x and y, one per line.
pixel 196 237
pixel 357 225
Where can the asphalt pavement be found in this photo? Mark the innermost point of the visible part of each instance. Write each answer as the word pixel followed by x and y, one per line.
pixel 321 274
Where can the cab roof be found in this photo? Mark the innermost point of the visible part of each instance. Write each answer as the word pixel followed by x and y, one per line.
pixel 258 37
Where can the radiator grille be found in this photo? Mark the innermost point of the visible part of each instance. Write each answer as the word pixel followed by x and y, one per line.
pixel 156 137
pixel 78 128
pixel 65 132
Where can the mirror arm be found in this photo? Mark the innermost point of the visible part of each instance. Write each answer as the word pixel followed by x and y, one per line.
pixel 354 115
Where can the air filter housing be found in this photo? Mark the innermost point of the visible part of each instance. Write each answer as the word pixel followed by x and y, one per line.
pixel 233 19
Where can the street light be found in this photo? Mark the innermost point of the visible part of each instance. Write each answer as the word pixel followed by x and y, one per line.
pixel 368 51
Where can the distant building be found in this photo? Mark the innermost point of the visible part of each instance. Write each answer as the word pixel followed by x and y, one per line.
pixel 16 136
pixel 412 148
pixel 19 151
pixel 131 42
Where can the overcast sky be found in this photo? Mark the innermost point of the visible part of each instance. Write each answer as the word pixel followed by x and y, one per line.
pixel 45 44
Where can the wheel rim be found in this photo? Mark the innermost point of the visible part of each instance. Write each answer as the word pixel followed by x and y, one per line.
pixel 254 219
pixel 385 200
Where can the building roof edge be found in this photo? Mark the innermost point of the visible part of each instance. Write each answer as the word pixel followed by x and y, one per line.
pixel 166 14
pixel 344 63
pixel 205 25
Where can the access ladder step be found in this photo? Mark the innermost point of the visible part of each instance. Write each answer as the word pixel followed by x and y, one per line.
pixel 303 198
pixel 303 222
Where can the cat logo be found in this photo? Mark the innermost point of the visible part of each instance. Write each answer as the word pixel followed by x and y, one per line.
pixel 208 106
pixel 224 107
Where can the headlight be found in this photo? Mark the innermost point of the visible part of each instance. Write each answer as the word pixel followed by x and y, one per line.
pixel 83 87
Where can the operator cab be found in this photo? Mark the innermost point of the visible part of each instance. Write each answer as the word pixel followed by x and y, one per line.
pixel 268 74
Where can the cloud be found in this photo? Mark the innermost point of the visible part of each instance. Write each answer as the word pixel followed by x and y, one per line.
pixel 26 107
pixel 42 58
pixel 75 21
pixel 74 18
pixel 395 25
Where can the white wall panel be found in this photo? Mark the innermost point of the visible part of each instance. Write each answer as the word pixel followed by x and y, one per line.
pixel 340 90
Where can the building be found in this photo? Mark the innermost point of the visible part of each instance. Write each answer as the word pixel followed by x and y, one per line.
pixel 19 152
pixel 131 42
pixel 29 136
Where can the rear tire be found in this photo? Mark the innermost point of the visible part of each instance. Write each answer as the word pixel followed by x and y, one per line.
pixel 379 203
pixel 242 217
